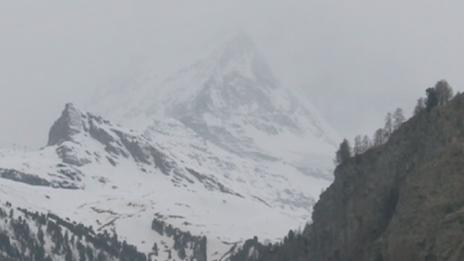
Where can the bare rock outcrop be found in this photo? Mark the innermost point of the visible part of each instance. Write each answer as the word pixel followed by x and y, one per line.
pixel 400 201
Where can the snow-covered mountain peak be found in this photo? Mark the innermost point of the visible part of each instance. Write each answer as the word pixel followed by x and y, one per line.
pixel 67 125
pixel 220 149
pixel 233 100
pixel 240 56
pixel 236 74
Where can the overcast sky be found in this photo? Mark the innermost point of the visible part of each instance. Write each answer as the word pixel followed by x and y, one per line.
pixel 355 59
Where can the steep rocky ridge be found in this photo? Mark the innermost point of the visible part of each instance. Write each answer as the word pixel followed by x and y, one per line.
pixel 74 128
pixel 400 201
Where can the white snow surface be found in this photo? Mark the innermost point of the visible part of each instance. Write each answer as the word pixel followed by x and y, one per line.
pixel 246 157
pixel 232 99
pixel 262 201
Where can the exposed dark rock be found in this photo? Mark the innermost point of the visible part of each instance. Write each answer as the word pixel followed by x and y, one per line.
pixel 69 124
pixel 34 180
pixel 212 184
pixel 70 155
pixel 134 147
pixel 400 201
pixel 162 162
pixel 17 176
pixel 74 129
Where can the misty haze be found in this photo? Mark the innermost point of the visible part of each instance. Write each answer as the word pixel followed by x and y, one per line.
pixel 231 130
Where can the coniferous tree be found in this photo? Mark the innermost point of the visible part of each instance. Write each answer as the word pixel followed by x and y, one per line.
pixel 444 92
pixel 344 152
pixel 291 235
pixel 398 118
pixel 438 95
pixel 366 143
pixel 358 145
pixel 420 106
pixel 432 98
pixel 379 137
pixel 40 236
pixel 388 125
pixel 155 249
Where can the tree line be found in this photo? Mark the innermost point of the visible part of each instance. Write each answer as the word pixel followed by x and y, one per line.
pixel 436 96
pixel 293 247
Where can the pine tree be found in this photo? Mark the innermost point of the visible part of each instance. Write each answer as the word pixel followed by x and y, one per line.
pixel 155 249
pixel 398 118
pixel 444 92
pixel 358 146
pixel 388 125
pixel 379 137
pixel 366 143
pixel 420 106
pixel 344 152
pixel 438 95
pixel 432 98
pixel 40 236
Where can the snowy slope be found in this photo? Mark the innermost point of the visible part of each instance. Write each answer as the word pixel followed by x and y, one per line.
pixel 220 150
pixel 232 98
pixel 117 179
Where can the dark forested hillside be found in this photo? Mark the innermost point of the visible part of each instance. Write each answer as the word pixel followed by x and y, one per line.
pixel 183 242
pixel 399 201
pixel 26 235
pixel 45 237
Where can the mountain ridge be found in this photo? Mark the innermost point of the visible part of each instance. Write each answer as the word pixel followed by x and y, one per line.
pixel 107 176
pixel 222 164
pixel 398 201
pixel 232 99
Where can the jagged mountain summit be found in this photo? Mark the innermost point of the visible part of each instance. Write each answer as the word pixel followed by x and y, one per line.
pixel 139 185
pixel 232 99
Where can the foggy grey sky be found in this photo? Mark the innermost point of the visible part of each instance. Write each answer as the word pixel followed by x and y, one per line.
pixel 355 59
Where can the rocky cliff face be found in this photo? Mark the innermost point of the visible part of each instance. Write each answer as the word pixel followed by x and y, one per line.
pixel 400 201
pixel 72 131
pixel 69 124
